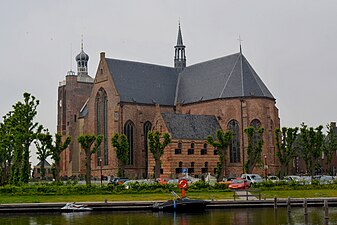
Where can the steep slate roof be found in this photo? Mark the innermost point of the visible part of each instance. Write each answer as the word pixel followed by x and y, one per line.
pixel 143 83
pixel 186 126
pixel 226 77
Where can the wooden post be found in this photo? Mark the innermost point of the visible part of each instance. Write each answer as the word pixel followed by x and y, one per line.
pixel 288 205
pixel 275 202
pixel 305 206
pixel 265 197
pixel 326 209
pixel 247 195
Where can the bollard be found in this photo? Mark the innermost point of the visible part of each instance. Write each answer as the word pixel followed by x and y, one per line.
pixel 288 205
pixel 105 201
pixel 326 209
pixel 265 197
pixel 275 202
pixel 305 206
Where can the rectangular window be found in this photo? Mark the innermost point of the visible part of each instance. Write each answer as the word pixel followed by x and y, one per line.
pixel 177 151
pixel 216 152
pixel 190 170
pixel 204 170
pixel 179 170
pixel 190 151
pixel 161 171
pixel 203 152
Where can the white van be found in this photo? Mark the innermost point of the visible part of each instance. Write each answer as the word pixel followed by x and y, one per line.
pixel 252 178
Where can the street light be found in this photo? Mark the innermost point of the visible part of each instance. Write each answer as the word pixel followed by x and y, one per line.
pixel 265 167
pixel 100 162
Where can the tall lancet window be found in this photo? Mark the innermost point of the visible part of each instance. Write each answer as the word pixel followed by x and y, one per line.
pixel 129 128
pixel 102 126
pixel 234 146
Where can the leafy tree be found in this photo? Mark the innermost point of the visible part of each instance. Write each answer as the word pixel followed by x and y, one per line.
pixel 43 145
pixel 23 130
pixel 157 144
pixel 254 148
pixel 285 141
pixel 221 144
pixel 86 142
pixel 56 151
pixel 6 153
pixel 120 142
pixel 330 147
pixel 311 141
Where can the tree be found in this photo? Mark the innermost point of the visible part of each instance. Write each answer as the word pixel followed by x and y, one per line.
pixel 6 153
pixel 56 151
pixel 120 142
pixel 330 146
pixel 23 130
pixel 254 148
pixel 311 142
pixel 86 142
pixel 221 144
pixel 157 147
pixel 285 141
pixel 43 145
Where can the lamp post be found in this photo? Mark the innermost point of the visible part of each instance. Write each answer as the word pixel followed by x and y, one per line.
pixel 265 167
pixel 100 163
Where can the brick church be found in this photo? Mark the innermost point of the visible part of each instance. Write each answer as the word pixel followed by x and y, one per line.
pixel 188 102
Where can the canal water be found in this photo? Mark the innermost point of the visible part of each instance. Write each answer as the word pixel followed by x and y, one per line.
pixel 245 216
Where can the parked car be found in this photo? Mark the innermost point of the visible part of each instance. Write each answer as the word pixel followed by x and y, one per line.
pixel 239 183
pixel 324 179
pixel 273 179
pixel 118 180
pixel 252 178
pixel 227 181
pixel 162 180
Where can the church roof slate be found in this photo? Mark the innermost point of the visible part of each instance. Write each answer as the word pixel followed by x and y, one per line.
pixel 193 127
pixel 226 77
pixel 143 83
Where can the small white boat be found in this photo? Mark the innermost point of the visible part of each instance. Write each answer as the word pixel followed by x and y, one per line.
pixel 72 207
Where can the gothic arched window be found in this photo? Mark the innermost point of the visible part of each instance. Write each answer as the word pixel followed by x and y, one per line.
pixel 147 128
pixel 256 124
pixel 234 146
pixel 129 132
pixel 101 105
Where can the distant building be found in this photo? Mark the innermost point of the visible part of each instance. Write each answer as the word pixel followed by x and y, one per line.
pixel 189 102
pixel 37 171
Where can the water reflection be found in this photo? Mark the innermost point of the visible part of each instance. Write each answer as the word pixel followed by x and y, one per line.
pixel 252 216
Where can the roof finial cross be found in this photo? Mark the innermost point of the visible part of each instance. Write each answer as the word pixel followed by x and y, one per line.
pixel 240 41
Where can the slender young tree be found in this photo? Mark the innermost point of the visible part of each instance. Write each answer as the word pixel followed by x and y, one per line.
pixel 330 147
pixel 43 145
pixel 254 148
pixel 56 151
pixel 157 144
pixel 120 142
pixel 6 153
pixel 311 142
pixel 285 141
pixel 86 142
pixel 221 143
pixel 23 129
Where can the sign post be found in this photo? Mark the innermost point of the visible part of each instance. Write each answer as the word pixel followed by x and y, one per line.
pixel 183 184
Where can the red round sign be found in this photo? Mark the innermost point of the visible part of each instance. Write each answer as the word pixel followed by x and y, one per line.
pixel 182 184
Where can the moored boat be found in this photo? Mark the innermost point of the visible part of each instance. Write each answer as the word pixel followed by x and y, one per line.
pixel 181 205
pixel 72 207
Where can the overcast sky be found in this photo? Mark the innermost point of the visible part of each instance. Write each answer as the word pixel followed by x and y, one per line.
pixel 291 44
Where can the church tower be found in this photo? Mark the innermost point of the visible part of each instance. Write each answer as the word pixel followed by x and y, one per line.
pixel 82 62
pixel 179 56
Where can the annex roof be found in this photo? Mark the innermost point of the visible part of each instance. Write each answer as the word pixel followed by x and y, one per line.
pixel 193 127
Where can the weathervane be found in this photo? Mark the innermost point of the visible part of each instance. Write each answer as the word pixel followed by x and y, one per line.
pixel 240 41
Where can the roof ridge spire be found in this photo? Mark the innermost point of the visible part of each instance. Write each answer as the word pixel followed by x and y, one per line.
pixel 180 37
pixel 240 42
pixel 82 42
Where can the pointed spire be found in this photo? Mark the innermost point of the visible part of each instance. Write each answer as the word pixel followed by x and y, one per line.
pixel 180 37
pixel 179 57
pixel 82 42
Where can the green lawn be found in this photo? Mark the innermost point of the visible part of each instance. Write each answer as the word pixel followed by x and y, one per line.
pixel 215 195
